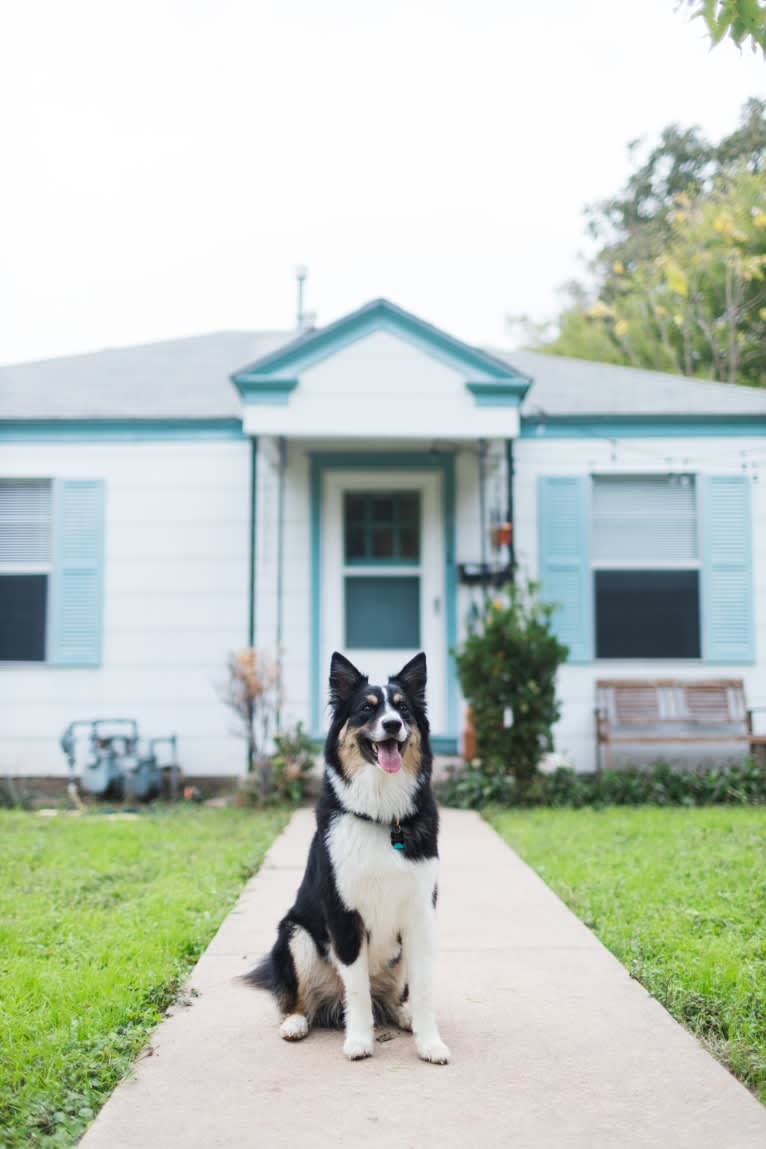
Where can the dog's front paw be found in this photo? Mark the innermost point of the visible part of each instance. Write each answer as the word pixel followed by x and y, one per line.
pixel 404 1017
pixel 433 1049
pixel 294 1027
pixel 356 1048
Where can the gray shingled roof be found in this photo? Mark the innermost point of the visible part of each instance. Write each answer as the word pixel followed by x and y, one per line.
pixel 176 379
pixel 578 387
pixel 189 379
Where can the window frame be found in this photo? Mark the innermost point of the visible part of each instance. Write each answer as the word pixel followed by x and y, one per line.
pixel 638 566
pixel 29 567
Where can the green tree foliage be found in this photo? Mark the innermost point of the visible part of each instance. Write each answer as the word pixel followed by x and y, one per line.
pixel 680 273
pixel 743 21
pixel 507 668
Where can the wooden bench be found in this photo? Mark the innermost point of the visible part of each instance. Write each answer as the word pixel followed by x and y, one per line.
pixel 633 711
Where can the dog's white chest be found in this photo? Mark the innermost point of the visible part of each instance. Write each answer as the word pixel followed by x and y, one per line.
pixel 374 879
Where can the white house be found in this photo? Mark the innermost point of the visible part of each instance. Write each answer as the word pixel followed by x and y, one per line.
pixel 161 506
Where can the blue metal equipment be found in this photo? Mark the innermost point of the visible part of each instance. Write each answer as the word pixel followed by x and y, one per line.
pixel 114 766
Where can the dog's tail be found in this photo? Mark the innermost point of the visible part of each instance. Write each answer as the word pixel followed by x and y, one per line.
pixel 263 976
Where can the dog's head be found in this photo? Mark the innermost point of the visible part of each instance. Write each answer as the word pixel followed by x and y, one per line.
pixel 380 727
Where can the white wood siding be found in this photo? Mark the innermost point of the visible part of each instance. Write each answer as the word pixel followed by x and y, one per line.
pixel 381 385
pixel 175 593
pixel 575 735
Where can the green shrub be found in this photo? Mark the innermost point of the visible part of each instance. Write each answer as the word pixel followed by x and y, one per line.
pixel 281 776
pixel 658 785
pixel 507 667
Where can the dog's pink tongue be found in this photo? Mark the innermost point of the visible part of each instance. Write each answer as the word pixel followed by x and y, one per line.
pixel 389 757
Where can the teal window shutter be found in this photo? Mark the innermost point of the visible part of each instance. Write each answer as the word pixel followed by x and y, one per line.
pixel 563 512
pixel 75 608
pixel 727 572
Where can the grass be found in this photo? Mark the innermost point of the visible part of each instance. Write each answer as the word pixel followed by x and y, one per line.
pixel 100 920
pixel 679 896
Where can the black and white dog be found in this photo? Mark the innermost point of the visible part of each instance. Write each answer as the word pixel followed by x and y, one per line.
pixel 357 947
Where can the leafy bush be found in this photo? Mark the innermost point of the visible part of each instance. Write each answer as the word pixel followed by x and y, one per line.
pixel 659 785
pixel 507 668
pixel 282 776
pixel 293 760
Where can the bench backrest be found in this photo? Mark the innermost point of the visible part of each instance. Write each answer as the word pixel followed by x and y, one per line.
pixel 672 705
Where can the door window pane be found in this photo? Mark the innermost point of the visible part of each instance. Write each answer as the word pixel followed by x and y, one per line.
pixel 382 543
pixel 382 613
pixel 381 526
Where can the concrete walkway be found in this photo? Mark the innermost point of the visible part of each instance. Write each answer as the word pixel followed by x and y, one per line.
pixel 553 1045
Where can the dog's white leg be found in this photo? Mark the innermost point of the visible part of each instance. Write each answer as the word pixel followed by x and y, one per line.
pixel 294 1027
pixel 419 949
pixel 358 1006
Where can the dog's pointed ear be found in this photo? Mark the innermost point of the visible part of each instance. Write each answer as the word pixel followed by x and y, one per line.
pixel 413 676
pixel 344 679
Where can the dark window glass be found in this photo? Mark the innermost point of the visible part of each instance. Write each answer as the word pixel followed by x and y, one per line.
pixel 356 546
pixel 383 508
pixel 22 617
pixel 355 506
pixel 647 614
pixel 382 527
pixel 382 543
pixel 409 506
pixel 382 613
pixel 409 543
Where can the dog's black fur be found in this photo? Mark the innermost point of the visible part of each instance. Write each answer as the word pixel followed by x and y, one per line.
pixel 337 930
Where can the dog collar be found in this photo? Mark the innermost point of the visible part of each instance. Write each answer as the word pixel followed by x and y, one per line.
pixel 397 833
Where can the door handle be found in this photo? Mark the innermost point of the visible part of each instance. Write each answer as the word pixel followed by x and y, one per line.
pixel 437 605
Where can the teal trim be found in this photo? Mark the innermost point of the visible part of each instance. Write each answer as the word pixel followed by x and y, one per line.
pixel 640 426
pixel 275 392
pixel 76 602
pixel 317 677
pixel 508 393
pixel 563 521
pixel 118 430
pixel 379 315
pixel 252 542
pixel 443 461
pixel 728 621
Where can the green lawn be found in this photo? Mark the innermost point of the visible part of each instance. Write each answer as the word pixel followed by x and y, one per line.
pixel 100 919
pixel 679 896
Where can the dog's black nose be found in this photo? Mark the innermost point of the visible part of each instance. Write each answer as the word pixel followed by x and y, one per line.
pixel 392 726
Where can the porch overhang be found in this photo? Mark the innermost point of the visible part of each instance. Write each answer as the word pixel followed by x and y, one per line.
pixel 395 395
pixel 357 421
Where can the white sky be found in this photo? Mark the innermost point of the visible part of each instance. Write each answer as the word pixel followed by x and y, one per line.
pixel 165 165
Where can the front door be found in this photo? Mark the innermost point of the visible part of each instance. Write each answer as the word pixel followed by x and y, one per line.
pixel 383 564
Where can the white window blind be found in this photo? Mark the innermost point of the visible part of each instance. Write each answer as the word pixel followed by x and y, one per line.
pixel 25 522
pixel 645 522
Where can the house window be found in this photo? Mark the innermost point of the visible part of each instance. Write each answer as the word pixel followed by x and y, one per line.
pixel 381 574
pixel 646 567
pixel 382 527
pixel 25 567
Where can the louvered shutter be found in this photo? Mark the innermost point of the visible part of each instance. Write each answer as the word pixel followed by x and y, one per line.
pixel 563 516
pixel 76 593
pixel 727 590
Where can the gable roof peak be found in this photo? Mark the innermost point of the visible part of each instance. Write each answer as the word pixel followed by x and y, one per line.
pixel 377 314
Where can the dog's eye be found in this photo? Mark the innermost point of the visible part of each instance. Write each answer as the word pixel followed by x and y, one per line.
pixel 367 708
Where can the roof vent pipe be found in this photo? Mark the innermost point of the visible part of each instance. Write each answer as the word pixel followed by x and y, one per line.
pixel 304 320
